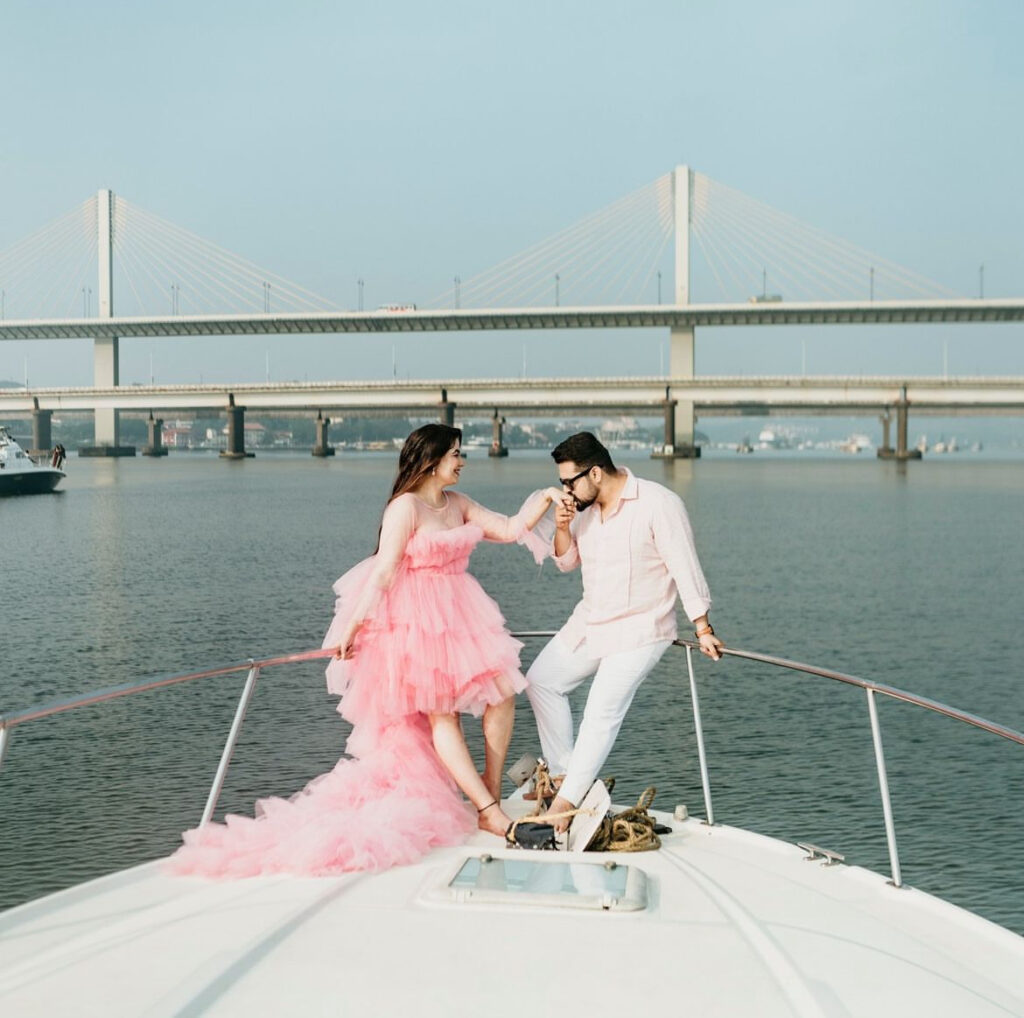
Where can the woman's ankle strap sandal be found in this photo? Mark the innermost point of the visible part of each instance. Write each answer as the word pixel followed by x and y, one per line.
pixel 484 809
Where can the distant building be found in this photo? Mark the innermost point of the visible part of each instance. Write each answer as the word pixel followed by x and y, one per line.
pixel 177 437
pixel 255 433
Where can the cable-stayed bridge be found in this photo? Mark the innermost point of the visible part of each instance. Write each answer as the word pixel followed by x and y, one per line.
pixel 639 263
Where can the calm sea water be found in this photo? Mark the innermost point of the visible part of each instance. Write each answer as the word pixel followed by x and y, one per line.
pixel 910 576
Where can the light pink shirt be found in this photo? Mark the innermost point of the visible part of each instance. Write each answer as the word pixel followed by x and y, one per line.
pixel 635 562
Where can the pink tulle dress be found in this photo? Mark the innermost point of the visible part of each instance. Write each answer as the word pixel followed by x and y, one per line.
pixel 431 641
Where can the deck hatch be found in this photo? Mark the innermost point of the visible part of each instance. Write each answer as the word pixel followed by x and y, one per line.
pixel 549 883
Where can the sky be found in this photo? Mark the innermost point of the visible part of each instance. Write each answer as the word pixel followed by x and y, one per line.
pixel 407 143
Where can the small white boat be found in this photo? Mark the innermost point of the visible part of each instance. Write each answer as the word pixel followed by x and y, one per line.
pixel 20 474
pixel 856 443
pixel 718 922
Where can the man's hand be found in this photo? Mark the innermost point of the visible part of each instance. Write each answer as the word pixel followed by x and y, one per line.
pixel 565 512
pixel 711 645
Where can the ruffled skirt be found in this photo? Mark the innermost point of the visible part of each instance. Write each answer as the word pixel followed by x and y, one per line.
pixel 433 643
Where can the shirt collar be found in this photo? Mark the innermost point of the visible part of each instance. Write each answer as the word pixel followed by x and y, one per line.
pixel 630 490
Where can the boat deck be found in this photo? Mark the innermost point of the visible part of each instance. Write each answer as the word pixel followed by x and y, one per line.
pixel 735 924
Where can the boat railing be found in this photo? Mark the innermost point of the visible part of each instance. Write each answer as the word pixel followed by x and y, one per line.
pixel 253 667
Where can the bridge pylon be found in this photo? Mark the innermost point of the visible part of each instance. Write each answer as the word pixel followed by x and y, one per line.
pixel 105 355
pixel 679 415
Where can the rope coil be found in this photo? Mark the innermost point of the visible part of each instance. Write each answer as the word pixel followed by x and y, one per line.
pixel 631 830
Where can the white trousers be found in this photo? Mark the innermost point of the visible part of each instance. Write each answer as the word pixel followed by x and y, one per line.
pixel 557 671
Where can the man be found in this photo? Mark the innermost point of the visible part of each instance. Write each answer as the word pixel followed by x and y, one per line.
pixel 634 542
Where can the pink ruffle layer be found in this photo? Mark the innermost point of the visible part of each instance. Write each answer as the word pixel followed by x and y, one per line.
pixel 388 808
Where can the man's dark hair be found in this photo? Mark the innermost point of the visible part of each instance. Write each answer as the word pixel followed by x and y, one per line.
pixel 585 451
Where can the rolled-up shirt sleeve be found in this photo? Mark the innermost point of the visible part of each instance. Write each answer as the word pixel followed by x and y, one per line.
pixel 571 559
pixel 673 538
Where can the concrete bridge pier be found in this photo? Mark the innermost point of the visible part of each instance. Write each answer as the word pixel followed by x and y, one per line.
pixel 236 432
pixel 678 436
pixel 679 414
pixel 155 438
pixel 885 450
pixel 322 446
pixel 42 433
pixel 106 421
pixel 902 414
pixel 498 447
pixel 446 409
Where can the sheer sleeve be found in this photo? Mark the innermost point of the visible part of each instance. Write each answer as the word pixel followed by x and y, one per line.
pixel 532 526
pixel 397 527
pixel 496 526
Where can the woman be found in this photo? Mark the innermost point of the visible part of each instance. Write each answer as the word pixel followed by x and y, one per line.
pixel 417 643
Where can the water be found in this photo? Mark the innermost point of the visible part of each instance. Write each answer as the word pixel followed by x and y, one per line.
pixel 910 576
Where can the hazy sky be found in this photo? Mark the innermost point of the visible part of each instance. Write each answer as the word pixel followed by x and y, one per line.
pixel 405 143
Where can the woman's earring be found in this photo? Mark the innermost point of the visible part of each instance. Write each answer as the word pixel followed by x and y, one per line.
pixel 433 471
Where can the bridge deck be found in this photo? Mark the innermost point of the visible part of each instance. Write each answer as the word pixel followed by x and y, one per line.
pixel 480 319
pixel 710 396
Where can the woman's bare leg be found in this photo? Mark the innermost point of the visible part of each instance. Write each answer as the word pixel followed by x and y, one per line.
pixel 497 724
pixel 451 748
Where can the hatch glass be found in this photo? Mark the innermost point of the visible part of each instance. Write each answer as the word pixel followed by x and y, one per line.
pixel 550 883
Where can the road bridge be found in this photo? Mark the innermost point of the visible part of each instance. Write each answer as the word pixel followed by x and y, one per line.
pixel 890 312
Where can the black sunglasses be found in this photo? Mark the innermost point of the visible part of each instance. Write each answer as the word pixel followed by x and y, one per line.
pixel 568 482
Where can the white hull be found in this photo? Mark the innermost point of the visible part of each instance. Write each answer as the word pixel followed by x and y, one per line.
pixel 19 474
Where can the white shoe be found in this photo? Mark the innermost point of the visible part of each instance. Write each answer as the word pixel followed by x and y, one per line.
pixel 522 770
pixel 587 822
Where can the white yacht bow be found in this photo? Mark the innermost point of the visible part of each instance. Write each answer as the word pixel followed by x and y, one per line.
pixel 718 922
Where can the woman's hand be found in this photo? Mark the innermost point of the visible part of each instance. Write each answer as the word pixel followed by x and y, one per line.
pixel 346 648
pixel 554 495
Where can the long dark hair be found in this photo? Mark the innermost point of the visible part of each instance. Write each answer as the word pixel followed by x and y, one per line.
pixel 421 452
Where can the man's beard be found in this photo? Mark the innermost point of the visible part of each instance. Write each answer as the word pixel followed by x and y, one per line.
pixel 581 505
